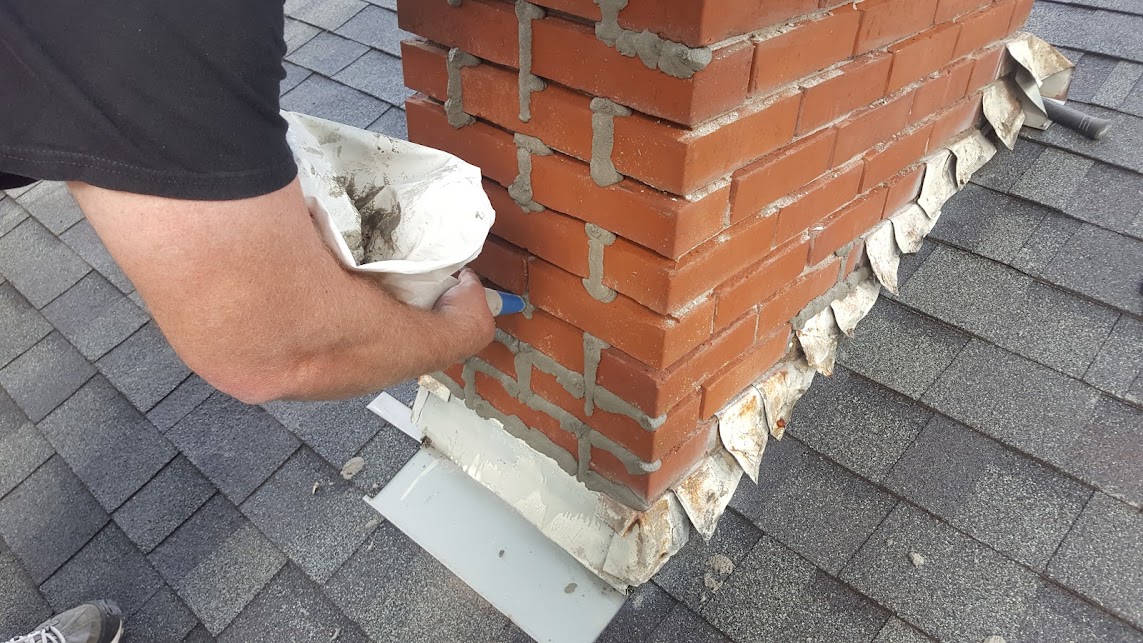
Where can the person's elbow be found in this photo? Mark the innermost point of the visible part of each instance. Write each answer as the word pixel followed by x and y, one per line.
pixel 252 379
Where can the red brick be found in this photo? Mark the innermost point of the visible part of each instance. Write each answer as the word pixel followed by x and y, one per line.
pixel 921 55
pixel 894 156
pixel 867 128
pixel 645 147
pixel 847 224
pixel 555 237
pixel 674 465
pixel 503 264
pixel 654 339
pixel 728 383
pixel 986 68
pixel 646 445
pixel 422 65
pixel 570 54
pixel 760 282
pixel 887 21
pixel 551 336
pixel 904 189
pixel 837 93
pixel 666 224
pixel 760 184
pixel 654 391
pixel 493 392
pixel 456 373
pixel 666 286
pixel 949 9
pixel 956 120
pixel 500 357
pixel 822 197
pixel 1020 15
pixel 785 305
pixel 984 27
pixel 806 48
pixel 854 258
pixel 938 93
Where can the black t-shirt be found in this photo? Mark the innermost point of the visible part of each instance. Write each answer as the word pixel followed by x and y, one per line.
pixel 174 98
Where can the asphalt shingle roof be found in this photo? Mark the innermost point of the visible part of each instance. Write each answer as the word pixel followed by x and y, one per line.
pixel 971 469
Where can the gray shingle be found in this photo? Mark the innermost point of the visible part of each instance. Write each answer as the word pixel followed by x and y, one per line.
pixel 336 430
pixel 1014 311
pixel 694 575
pixel 193 391
pixel 377 74
pixel 164 503
pixel 82 238
pixel 49 517
pixel 199 635
pixel 292 608
pixel 109 445
pixel 963 591
pixel 51 204
pixel 225 582
pixel 1108 197
pixel 327 53
pixel 1090 74
pixel 812 506
pixel 684 626
pixel 388 4
pixel 1083 28
pixel 377 28
pixel 38 264
pixel 327 14
pixel 1103 265
pixel 1126 6
pixel 393 124
pixel 22 451
pixel 11 417
pixel 237 446
pixel 988 223
pixel 318 531
pixel 144 367
pixel 640 615
pixel 1121 148
pixel 94 316
pixel 197 539
pixel 298 33
pixel 294 76
pixel 11 214
pixel 1106 451
pixel 857 423
pixel 1055 614
pixel 1001 498
pixel 775 595
pixel 1053 178
pixel 22 607
pixel 406 392
pixel 900 349
pixel 324 98
pixel 1002 172
pixel 898 631
pixel 398 592
pixel 1120 360
pixel 1017 401
pixel 384 456
pixel 1119 84
pixel 1052 235
pixel 23 325
pixel 108 566
pixel 164 618
pixel 1102 558
pixel 44 376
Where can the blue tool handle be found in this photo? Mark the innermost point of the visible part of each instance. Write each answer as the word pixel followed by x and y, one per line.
pixel 503 303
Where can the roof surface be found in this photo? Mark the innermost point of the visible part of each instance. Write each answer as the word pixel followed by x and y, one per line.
pixel 973 467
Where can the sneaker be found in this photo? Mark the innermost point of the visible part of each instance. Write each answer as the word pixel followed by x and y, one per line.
pixel 96 622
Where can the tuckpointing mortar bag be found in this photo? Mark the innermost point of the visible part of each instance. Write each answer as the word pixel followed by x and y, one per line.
pixel 409 213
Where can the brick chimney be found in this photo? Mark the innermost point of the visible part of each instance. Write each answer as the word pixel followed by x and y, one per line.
pixel 685 190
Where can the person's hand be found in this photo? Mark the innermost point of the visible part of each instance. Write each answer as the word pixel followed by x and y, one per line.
pixel 465 312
